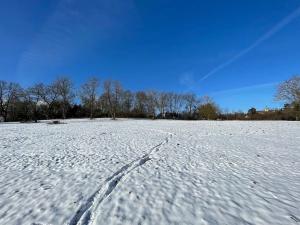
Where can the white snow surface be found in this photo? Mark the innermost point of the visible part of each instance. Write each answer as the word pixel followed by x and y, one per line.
pixel 150 172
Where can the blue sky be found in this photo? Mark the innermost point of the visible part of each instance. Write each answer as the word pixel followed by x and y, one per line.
pixel 235 51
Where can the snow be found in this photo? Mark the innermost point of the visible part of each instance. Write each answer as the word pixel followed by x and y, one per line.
pixel 150 172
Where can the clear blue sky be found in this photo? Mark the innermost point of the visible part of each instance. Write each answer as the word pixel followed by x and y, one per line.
pixel 236 51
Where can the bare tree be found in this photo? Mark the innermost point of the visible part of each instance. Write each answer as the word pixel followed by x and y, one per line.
pixel 151 103
pixel 289 90
pixel 88 94
pixel 170 102
pixel 191 103
pixel 206 100
pixel 3 93
pixel 162 102
pixel 127 99
pixel 8 94
pixel 141 102
pixel 112 94
pixel 178 101
pixel 39 95
pixel 107 94
pixel 45 95
pixel 103 104
pixel 27 102
pixel 64 88
pixel 117 93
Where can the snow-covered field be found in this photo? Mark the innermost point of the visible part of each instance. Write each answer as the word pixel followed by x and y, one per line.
pixel 150 172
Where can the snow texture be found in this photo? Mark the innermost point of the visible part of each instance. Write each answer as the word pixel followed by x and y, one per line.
pixel 150 172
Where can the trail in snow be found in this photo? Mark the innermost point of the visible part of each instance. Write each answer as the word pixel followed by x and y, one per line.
pixel 87 213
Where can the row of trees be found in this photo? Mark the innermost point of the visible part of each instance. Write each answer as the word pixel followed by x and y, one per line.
pixel 288 92
pixel 109 99
pixel 286 113
pixel 60 100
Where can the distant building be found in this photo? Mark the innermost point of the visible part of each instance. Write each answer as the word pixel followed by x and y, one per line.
pixel 266 111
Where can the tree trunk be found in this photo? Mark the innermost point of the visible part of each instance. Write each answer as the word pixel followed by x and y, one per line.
pixel 35 114
pixel 5 117
pixel 63 112
pixel 91 112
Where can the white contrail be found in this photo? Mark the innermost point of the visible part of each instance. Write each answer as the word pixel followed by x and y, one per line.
pixel 243 89
pixel 263 38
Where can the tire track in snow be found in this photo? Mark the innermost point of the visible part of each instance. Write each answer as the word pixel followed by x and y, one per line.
pixel 87 213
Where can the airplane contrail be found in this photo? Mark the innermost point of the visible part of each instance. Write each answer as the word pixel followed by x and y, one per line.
pixel 246 88
pixel 263 38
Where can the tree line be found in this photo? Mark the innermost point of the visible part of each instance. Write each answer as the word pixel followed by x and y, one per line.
pixel 287 92
pixel 60 99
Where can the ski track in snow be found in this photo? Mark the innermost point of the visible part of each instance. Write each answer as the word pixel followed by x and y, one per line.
pixel 108 172
pixel 87 213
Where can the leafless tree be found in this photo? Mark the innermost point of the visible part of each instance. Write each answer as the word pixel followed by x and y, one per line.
pixel 28 105
pixel 206 100
pixel 289 90
pixel 107 94
pixel 141 102
pixel 45 95
pixel 162 102
pixel 103 104
pixel 151 103
pixel 117 94
pixel 63 87
pixel 170 102
pixel 190 102
pixel 127 99
pixel 178 101
pixel 112 93
pixel 8 94
pixel 3 93
pixel 88 94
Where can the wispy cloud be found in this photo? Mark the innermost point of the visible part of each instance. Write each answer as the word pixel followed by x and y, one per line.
pixel 187 80
pixel 244 89
pixel 279 26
